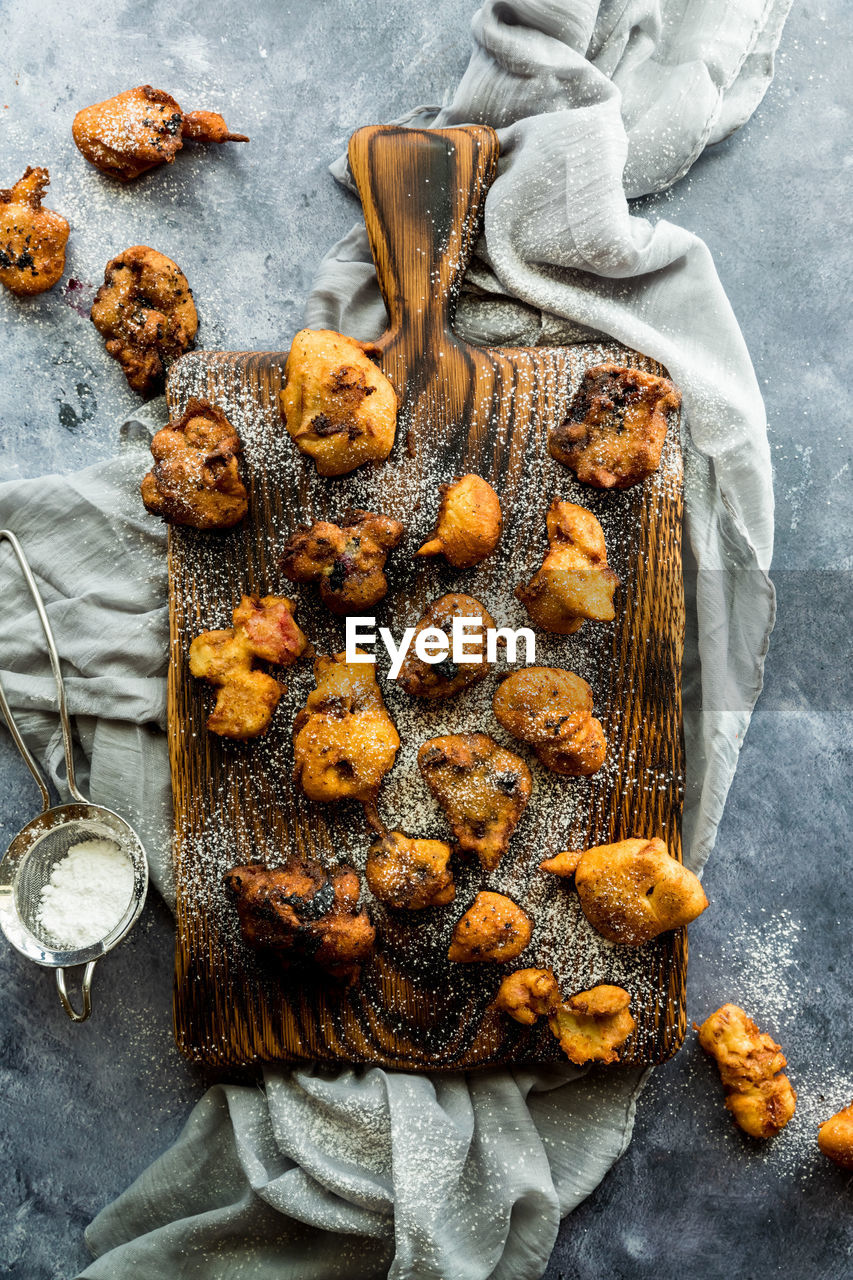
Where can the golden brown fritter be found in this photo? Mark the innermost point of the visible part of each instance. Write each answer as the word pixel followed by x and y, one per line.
pixel 208 126
pixel 469 523
pixel 528 994
pixel 141 128
pixel 32 239
pixel 337 406
pixel 592 1025
pixel 493 928
pixel 633 890
pixel 563 864
pixel 750 1062
pixel 551 709
pixel 410 874
pixel 195 479
pixel 835 1137
pixel 263 630
pixel 580 756
pixel 482 787
pixel 146 313
pixel 344 740
pixel 444 678
pixel 616 426
pixel 301 912
pixel 574 582
pixel 346 560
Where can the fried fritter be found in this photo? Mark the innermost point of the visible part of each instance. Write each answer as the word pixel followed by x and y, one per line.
pixel 575 581
pixel 146 313
pixel 301 912
pixel 32 239
pixel 633 890
pixel 195 479
pixel 482 787
pixel 208 126
pixel 141 128
pixel 551 709
pixel 761 1099
pixel 581 756
pixel 264 630
pixel 835 1137
pixel 444 678
pixel 337 406
pixel 493 928
pixel 528 994
pixel 410 874
pixel 592 1025
pixel 563 864
pixel 469 523
pixel 616 426
pixel 347 560
pixel 344 740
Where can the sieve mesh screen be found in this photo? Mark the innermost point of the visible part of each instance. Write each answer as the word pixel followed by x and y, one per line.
pixel 36 867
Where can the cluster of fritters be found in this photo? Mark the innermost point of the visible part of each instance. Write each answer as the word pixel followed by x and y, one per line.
pixel 144 309
pixel 341 412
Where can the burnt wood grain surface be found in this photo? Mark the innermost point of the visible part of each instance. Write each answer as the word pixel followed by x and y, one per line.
pixel 462 408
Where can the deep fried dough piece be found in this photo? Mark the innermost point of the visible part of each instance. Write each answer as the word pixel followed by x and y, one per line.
pixel 246 699
pixel 146 313
pixel 528 994
pixel 347 560
pixel 410 874
pixel 208 126
pixel 469 523
pixel 552 710
pixel 835 1137
pixel 581 756
pixel 301 912
pixel 563 864
pixel 344 740
pixel 592 1025
pixel 761 1100
pixel 337 406
pixel 493 928
pixel 195 479
pixel 616 426
pixel 445 678
pixel 482 787
pixel 32 239
pixel 141 128
pixel 633 890
pixel 574 582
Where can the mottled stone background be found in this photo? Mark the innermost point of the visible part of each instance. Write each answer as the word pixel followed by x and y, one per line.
pixel 84 1109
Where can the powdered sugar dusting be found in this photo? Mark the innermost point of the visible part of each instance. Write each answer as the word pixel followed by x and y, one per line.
pixel 430 450
pixel 762 965
pixel 759 966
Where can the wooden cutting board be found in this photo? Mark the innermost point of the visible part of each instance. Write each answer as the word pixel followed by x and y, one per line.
pixel 462 408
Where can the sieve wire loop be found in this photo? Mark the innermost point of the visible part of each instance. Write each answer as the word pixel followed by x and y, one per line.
pixel 6 535
pixel 27 865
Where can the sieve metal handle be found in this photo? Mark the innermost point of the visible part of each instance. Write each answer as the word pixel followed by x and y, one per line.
pixel 67 742
pixel 85 989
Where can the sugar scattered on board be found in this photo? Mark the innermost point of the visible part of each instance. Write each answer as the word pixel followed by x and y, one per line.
pixel 221 833
pixel 86 896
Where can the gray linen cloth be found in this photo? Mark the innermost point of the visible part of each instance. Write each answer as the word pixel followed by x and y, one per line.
pixel 370 1173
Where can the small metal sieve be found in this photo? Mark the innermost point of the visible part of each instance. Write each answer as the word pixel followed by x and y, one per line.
pixel 27 865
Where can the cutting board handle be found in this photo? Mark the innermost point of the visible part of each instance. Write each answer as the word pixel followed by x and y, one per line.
pixel 423 192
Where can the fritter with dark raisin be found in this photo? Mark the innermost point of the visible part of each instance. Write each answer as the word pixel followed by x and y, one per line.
pixel 482 787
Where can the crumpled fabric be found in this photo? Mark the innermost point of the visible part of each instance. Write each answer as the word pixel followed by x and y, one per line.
pixel 373 1173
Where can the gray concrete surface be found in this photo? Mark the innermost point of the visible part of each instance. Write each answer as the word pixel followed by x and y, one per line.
pixel 83 1110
